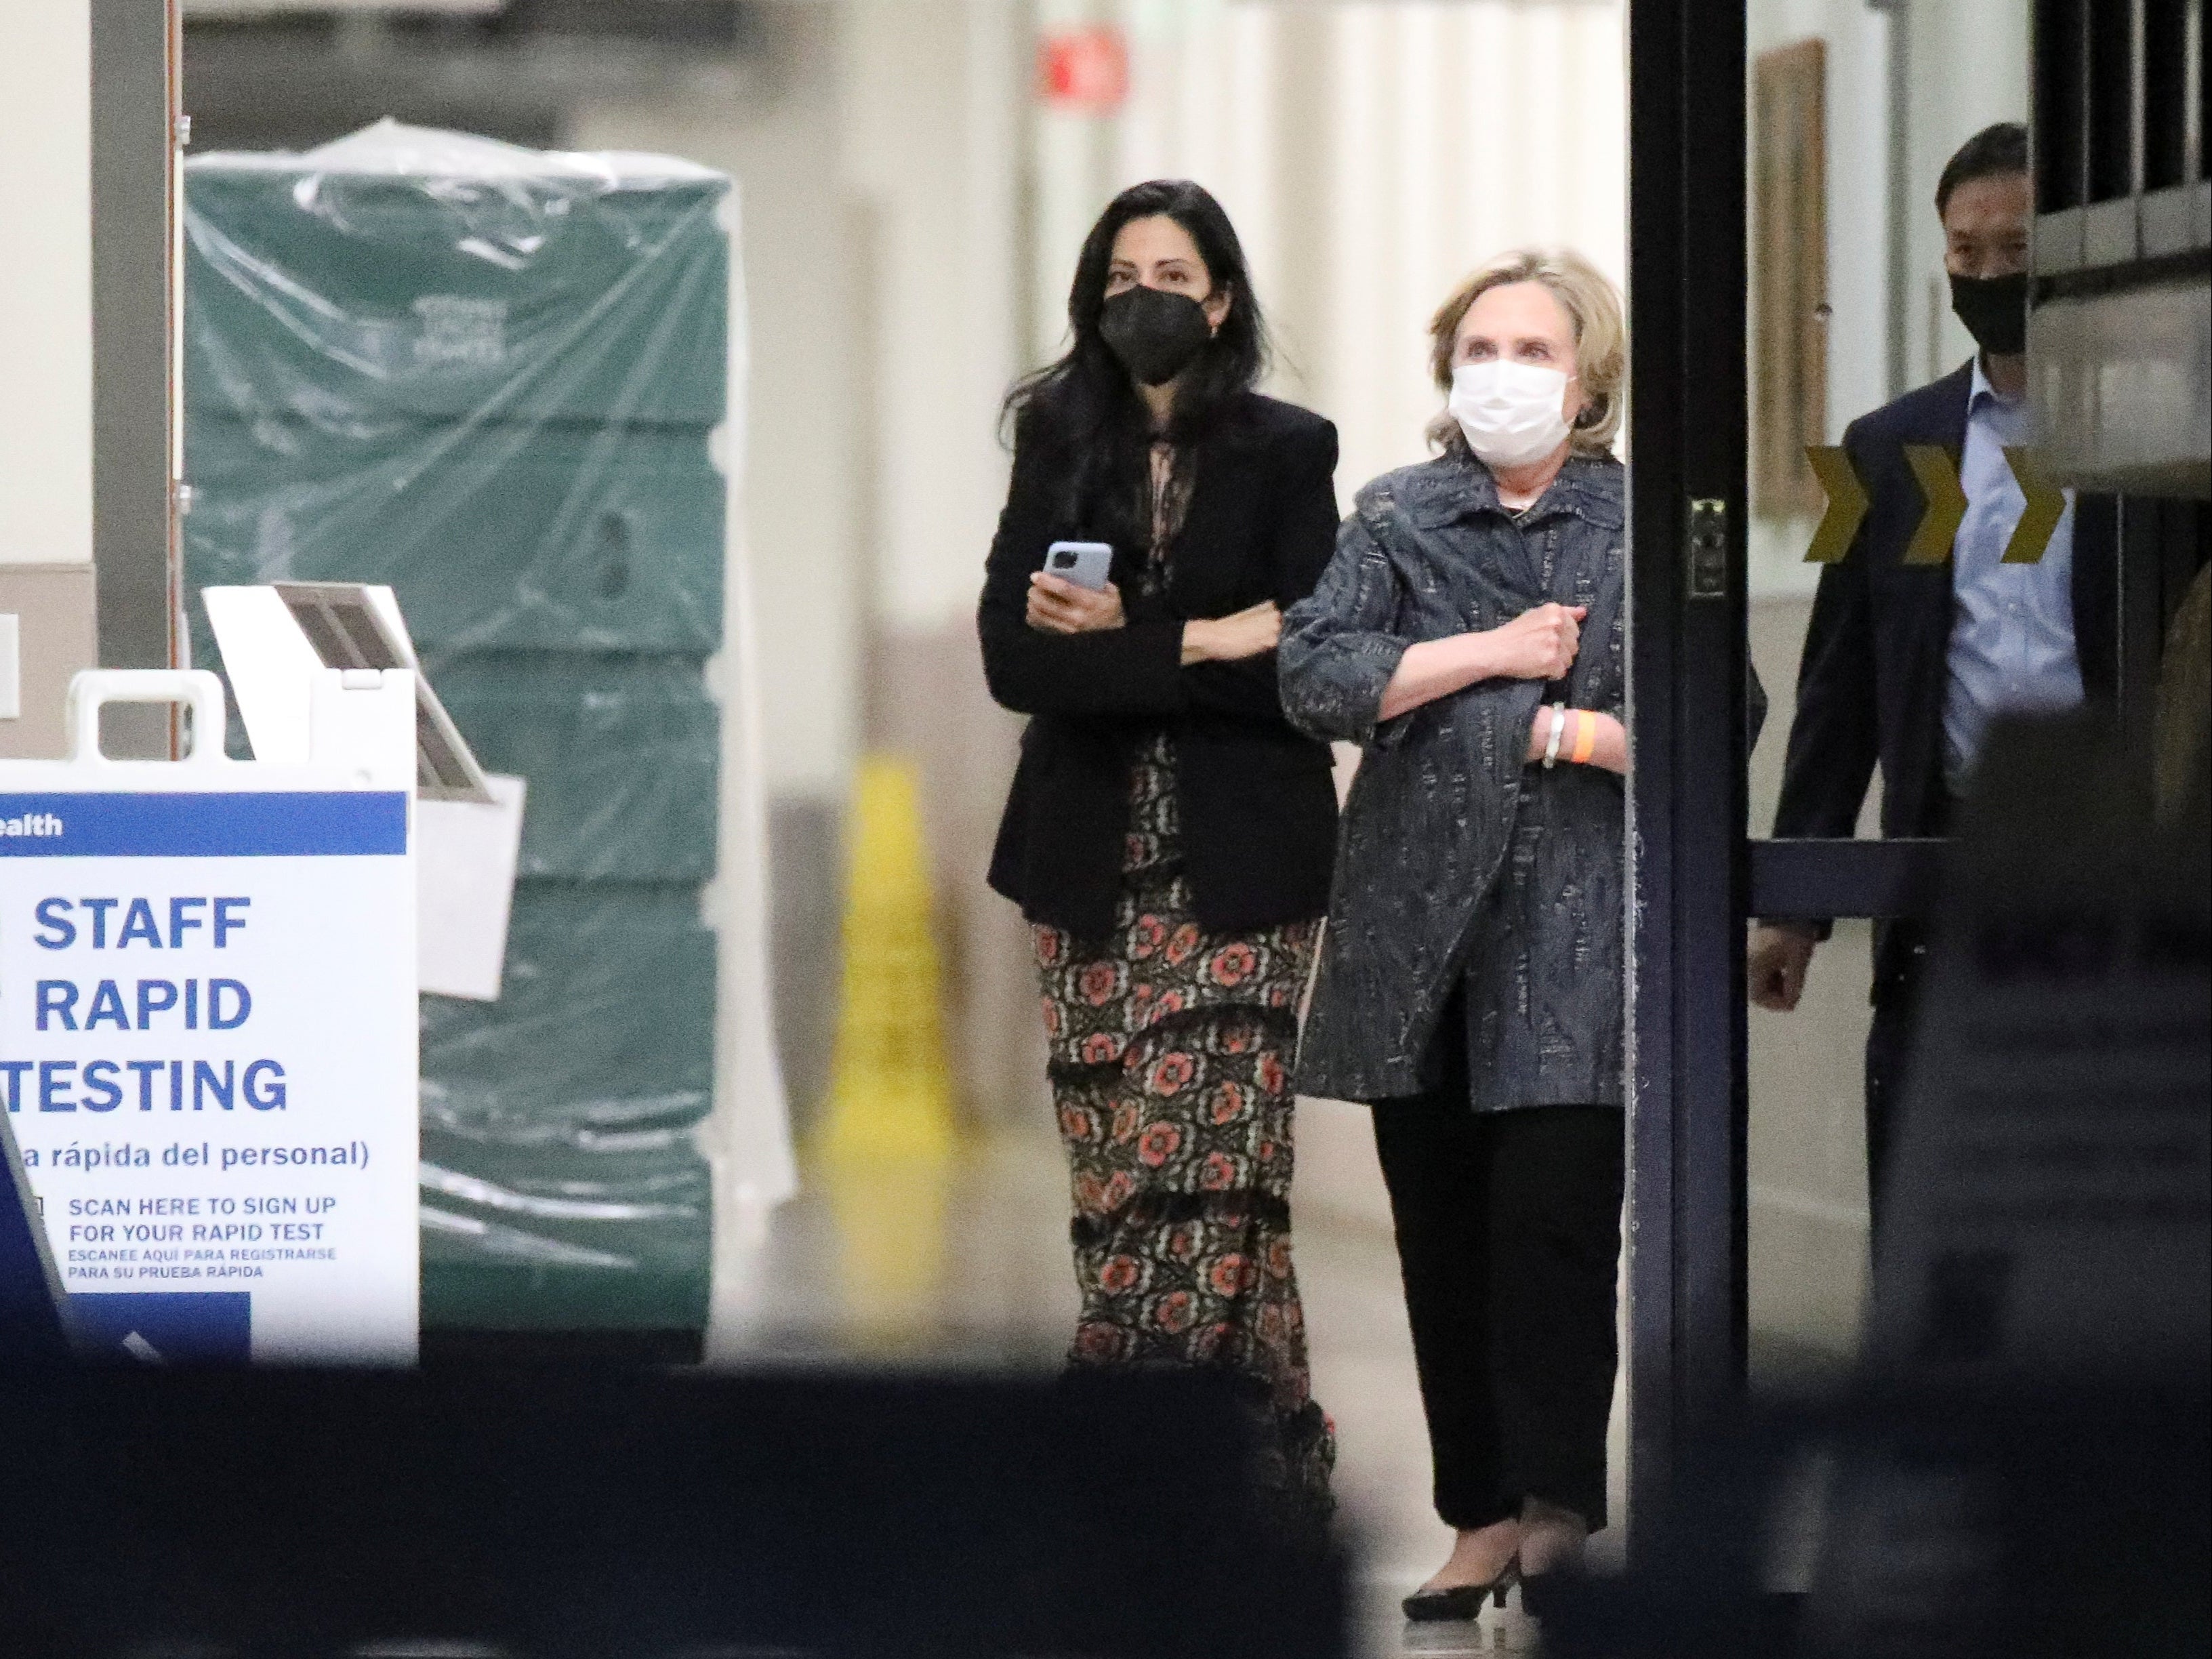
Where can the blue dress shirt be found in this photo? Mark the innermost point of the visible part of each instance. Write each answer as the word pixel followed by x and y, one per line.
pixel 2012 629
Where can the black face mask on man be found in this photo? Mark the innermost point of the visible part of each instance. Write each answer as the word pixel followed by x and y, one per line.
pixel 1155 333
pixel 1994 310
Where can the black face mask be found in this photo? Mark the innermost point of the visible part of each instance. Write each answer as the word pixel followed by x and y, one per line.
pixel 1994 310
pixel 1154 333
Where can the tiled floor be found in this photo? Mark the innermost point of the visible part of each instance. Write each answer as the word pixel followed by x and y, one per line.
pixel 969 1264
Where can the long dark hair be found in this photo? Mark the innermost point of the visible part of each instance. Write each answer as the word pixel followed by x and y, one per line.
pixel 1085 402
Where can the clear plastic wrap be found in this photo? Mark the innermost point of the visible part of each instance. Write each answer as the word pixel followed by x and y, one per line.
pixel 615 1235
pixel 562 1188
pixel 605 1022
pixel 494 379
pixel 404 273
pixel 621 753
pixel 486 376
pixel 495 534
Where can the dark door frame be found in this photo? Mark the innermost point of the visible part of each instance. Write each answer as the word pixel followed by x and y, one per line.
pixel 1689 868
pixel 1695 875
pixel 137 133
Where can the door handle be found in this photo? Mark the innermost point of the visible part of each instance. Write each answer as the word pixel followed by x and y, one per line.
pixel 1707 548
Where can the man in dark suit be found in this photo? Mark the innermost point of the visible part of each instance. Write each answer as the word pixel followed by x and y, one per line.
pixel 1906 663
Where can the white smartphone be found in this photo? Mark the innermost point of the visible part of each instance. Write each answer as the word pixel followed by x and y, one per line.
pixel 1087 564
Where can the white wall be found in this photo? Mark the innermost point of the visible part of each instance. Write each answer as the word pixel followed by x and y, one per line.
pixel 1969 66
pixel 1444 131
pixel 931 147
pixel 1858 106
pixel 45 284
pixel 1460 130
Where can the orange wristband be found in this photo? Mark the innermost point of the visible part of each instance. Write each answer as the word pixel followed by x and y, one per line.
pixel 1585 737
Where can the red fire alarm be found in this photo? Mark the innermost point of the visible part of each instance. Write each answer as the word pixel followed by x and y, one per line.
pixel 1083 70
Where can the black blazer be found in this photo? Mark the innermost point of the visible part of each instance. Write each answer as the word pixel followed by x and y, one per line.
pixel 1871 684
pixel 1258 805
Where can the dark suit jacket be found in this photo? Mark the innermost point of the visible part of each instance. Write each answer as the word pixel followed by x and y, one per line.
pixel 1871 685
pixel 1258 805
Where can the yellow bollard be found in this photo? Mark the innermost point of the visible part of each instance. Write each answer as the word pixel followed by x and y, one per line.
pixel 893 1259
pixel 891 1096
pixel 884 1155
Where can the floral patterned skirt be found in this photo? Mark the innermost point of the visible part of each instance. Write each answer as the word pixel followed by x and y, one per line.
pixel 1171 1059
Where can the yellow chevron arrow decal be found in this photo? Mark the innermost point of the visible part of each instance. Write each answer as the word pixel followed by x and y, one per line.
pixel 1847 502
pixel 2046 505
pixel 1937 469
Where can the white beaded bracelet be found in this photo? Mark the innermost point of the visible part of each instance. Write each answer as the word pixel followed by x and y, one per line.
pixel 1558 726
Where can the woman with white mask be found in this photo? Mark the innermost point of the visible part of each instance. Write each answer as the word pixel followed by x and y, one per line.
pixel 1468 636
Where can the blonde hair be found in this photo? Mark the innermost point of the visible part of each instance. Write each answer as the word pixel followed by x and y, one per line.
pixel 1592 305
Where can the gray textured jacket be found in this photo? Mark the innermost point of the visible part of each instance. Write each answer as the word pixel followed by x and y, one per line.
pixel 1454 857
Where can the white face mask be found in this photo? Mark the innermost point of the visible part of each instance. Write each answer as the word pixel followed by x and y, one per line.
pixel 1511 412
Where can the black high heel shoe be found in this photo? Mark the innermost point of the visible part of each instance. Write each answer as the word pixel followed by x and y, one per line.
pixel 1461 1601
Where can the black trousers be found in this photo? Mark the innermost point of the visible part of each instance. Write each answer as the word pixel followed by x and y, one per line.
pixel 1509 1238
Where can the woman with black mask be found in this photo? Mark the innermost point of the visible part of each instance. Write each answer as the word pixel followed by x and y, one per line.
pixel 1169 836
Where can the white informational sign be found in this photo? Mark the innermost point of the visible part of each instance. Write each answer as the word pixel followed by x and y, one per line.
pixel 207 1028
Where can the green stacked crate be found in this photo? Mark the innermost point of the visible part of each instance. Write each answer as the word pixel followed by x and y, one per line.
pixel 560 538
pixel 620 751
pixel 578 1200
pixel 495 392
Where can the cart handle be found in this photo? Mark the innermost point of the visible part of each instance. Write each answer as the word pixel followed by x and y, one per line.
pixel 94 687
